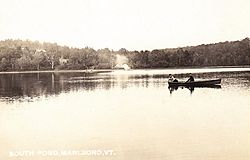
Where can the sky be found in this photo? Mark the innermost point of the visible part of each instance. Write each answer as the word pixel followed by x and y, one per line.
pixel 130 24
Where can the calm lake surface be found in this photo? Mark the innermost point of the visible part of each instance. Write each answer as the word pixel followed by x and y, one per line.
pixel 133 113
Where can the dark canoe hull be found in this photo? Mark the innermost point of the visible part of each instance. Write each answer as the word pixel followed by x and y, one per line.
pixel 196 83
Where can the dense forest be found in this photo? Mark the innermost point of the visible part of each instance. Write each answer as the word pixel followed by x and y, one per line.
pixel 19 55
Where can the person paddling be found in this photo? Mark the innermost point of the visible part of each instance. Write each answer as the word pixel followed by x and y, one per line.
pixel 191 78
pixel 172 79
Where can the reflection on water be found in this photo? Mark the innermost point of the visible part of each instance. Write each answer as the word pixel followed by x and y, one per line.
pixel 21 86
pixel 134 114
pixel 34 85
pixel 190 88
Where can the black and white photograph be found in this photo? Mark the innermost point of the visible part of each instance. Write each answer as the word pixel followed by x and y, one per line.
pixel 124 80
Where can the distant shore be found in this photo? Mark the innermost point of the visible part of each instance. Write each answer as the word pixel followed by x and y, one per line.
pixel 60 71
pixel 18 55
pixel 110 70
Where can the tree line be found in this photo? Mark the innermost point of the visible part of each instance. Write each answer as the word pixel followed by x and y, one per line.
pixel 19 55
pixel 235 53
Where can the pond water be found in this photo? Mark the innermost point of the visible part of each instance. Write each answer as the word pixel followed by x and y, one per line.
pixel 131 113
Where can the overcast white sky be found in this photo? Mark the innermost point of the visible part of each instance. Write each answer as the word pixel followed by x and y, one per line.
pixel 131 24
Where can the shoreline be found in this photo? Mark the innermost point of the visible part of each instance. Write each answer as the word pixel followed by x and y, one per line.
pixel 111 70
pixel 59 71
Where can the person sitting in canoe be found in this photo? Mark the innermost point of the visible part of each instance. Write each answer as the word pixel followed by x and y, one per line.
pixel 172 79
pixel 191 78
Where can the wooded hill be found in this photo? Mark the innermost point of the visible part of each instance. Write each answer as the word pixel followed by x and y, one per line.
pixel 18 55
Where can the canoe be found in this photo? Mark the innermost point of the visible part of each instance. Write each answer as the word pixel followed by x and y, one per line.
pixel 200 83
